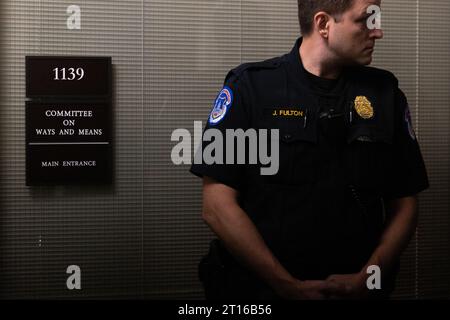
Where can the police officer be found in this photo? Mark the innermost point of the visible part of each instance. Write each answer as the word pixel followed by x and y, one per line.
pixel 344 197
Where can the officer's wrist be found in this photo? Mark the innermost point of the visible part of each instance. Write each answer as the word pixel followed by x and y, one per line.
pixel 283 285
pixel 362 276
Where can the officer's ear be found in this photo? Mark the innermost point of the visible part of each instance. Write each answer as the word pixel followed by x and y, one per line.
pixel 321 23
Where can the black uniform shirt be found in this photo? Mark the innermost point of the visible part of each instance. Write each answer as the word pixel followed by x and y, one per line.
pixel 345 147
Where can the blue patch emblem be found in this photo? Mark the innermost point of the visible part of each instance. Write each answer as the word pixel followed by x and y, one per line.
pixel 409 123
pixel 221 105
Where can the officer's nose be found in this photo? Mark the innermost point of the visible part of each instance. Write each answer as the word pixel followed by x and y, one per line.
pixel 377 33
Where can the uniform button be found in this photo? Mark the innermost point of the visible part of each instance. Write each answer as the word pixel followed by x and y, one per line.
pixel 287 136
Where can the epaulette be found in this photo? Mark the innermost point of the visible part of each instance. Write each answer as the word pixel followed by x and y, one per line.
pixel 266 64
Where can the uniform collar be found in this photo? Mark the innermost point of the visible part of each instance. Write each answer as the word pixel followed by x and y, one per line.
pixel 302 75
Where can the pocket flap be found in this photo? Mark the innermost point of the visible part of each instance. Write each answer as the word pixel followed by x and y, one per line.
pixel 293 124
pixel 368 133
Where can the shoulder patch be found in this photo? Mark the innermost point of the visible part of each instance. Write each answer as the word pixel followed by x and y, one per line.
pixel 408 122
pixel 222 104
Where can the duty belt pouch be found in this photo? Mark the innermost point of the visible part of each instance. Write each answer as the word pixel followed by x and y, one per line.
pixel 211 271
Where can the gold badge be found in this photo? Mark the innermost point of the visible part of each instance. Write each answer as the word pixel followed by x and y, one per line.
pixel 363 107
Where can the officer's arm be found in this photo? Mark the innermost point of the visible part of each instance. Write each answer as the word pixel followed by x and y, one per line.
pixel 401 225
pixel 238 233
pixel 408 178
pixel 240 236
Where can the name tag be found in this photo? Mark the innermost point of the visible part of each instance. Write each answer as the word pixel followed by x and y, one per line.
pixel 290 113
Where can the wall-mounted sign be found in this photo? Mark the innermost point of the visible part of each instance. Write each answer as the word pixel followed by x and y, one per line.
pixel 49 76
pixel 68 164
pixel 68 122
pixel 68 140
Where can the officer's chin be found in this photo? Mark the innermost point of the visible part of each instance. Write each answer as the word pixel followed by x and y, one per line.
pixel 364 61
pixel 359 62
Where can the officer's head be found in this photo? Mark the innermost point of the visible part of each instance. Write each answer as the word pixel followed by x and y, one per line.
pixel 345 28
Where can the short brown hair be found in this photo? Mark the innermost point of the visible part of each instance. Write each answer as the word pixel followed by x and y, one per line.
pixel 308 8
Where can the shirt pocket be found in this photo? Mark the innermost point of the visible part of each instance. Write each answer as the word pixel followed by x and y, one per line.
pixel 297 146
pixel 369 160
